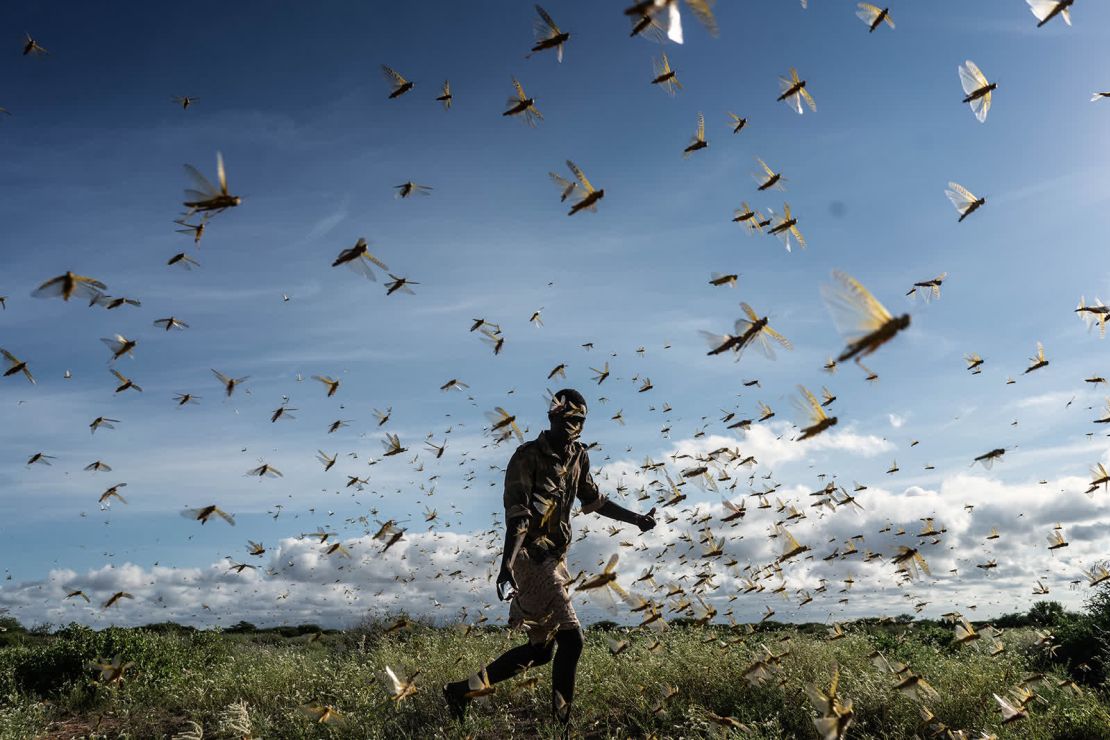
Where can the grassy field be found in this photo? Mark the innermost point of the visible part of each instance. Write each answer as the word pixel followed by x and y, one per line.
pixel 255 684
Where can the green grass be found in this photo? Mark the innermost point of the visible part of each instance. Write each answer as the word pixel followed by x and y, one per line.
pixel 45 688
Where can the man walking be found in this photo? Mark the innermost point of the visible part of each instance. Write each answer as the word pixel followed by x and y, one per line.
pixel 542 480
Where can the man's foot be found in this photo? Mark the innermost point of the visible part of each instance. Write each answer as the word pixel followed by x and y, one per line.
pixel 456 700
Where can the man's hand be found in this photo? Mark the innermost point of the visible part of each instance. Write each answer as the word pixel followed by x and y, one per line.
pixel 505 578
pixel 647 521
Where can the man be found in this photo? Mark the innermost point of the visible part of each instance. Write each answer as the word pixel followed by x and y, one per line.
pixel 542 480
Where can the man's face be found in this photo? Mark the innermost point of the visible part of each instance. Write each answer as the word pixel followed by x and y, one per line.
pixel 567 426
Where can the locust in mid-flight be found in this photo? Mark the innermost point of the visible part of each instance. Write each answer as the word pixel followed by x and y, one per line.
pixel 873 16
pixel 751 330
pixel 548 35
pixel 698 141
pixel 666 77
pixel 787 227
pixel 591 195
pixel 400 84
pixel 860 317
pixel 67 285
pixel 964 201
pixel 977 89
pixel 445 95
pixel 522 104
pixel 1046 10
pixel 794 92
pixel 209 199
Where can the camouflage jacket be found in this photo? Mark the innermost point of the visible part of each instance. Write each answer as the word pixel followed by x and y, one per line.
pixel 540 488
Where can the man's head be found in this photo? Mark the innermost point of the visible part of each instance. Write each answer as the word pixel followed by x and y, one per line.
pixel 567 414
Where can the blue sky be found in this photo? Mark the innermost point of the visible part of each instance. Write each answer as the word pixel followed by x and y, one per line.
pixel 293 98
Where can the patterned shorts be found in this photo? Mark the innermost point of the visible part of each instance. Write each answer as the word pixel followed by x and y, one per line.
pixel 542 603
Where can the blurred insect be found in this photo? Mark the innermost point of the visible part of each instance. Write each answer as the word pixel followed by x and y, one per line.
pixel 399 284
pixel 927 289
pixel 113 492
pixel 331 383
pixel 1099 96
pixel 171 323
pixel 120 346
pixel 230 384
pixel 794 92
pixel 911 560
pixel 102 421
pixel 787 227
pixel 1090 315
pixel 32 47
pixel 874 17
pixel 1100 477
pixel 204 513
pixel 184 398
pixel 114 599
pixel 523 105
pixel 67 285
pixel 737 122
pixel 445 95
pixel 184 260
pixel 604 585
pixel 548 35
pixel 359 259
pixel 977 89
pixel 16 365
pixel 125 383
pixel 1037 361
pixel 591 195
pixel 974 363
pixel 835 717
pixel 406 189
pixel 184 101
pixel 392 445
pixel 197 230
pixel 768 178
pixel 208 199
pixel 753 329
pixel 863 321
pixel 495 339
pixel 988 458
pixel 566 187
pixel 1097 575
pixel 698 141
pixel 111 672
pixel 789 547
pixel 665 77
pixel 503 425
pixel 1010 712
pixel 1046 10
pixel 1056 540
pixel 746 216
pixel 817 420
pixel 265 470
pixel 322 713
pixel 963 200
pixel 671 22
pixel 399 83
pixel 718 279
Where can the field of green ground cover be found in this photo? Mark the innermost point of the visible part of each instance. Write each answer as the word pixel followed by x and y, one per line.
pixel 262 683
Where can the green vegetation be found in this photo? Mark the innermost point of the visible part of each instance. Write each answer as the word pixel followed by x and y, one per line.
pixel 244 680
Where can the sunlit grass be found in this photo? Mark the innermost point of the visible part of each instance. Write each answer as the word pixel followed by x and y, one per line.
pixel 201 677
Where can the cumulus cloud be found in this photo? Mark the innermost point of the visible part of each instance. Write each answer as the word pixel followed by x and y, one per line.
pixel 442 574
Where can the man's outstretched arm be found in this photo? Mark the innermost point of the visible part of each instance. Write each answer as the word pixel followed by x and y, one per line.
pixel 593 501
pixel 614 510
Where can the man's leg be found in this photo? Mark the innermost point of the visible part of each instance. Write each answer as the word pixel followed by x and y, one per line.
pixel 570 643
pixel 510 663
